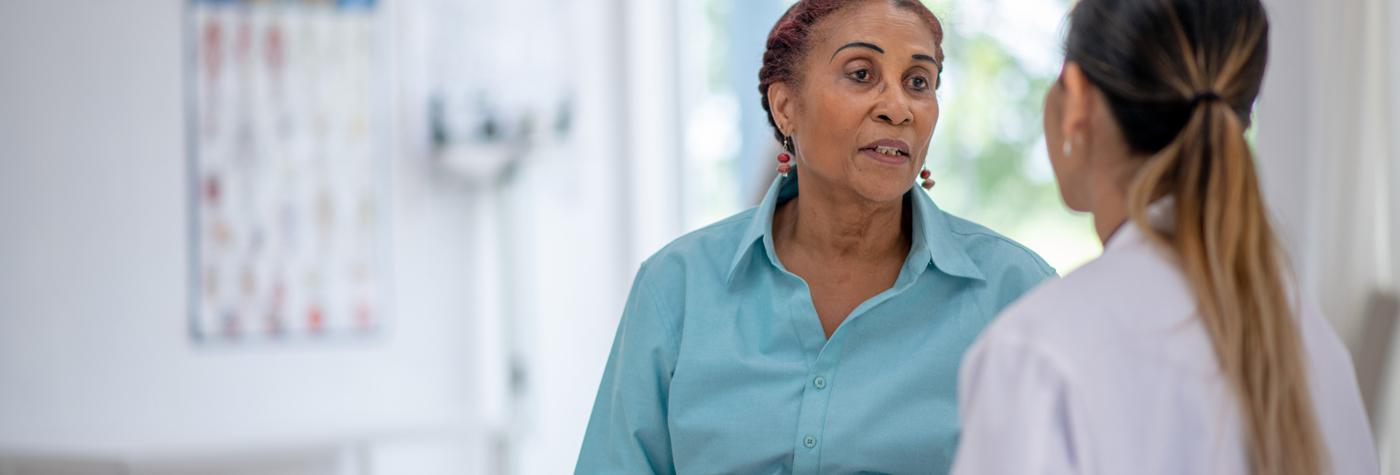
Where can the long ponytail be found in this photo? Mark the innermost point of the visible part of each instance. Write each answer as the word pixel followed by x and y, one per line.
pixel 1209 58
pixel 1230 256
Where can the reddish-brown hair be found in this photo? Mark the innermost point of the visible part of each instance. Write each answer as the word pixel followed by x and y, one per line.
pixel 790 39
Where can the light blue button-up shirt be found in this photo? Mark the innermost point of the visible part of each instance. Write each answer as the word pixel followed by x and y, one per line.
pixel 720 364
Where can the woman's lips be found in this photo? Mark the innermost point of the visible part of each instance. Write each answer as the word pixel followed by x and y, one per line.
pixel 891 151
pixel 895 159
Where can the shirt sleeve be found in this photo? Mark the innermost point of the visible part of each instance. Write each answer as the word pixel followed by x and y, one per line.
pixel 1016 281
pixel 1015 413
pixel 627 431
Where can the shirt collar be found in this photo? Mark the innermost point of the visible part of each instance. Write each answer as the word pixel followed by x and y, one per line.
pixel 1161 216
pixel 934 239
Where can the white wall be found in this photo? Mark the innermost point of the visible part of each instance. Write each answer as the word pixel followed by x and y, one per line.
pixel 1322 165
pixel 95 356
pixel 586 214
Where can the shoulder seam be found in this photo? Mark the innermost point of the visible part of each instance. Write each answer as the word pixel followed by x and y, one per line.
pixel 672 336
pixel 1039 261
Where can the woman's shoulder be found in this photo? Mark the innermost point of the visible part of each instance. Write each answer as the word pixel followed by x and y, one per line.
pixel 994 252
pixel 704 253
pixel 1009 269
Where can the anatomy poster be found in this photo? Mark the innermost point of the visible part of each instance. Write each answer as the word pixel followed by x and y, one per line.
pixel 288 170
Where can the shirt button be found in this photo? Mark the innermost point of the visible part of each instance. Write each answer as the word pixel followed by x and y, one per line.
pixel 819 382
pixel 809 442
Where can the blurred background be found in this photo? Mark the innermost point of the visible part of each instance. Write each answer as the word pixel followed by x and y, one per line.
pixel 395 236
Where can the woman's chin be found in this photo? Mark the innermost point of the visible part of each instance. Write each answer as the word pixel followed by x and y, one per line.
pixel 1073 204
pixel 883 189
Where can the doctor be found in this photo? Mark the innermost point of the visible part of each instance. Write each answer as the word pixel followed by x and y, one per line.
pixel 1182 349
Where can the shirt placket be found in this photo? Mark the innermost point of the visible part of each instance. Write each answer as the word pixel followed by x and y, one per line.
pixel 821 374
pixel 818 384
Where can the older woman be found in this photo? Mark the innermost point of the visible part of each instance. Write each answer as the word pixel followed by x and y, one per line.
pixel 821 331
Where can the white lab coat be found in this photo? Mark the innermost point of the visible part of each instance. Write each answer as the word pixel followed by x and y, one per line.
pixel 1109 371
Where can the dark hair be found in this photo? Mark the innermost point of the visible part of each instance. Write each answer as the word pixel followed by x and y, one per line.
pixel 790 39
pixel 1180 77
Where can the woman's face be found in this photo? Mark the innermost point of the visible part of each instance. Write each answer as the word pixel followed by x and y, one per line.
pixel 866 107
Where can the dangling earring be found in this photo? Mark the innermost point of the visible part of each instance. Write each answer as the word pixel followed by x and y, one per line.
pixel 928 182
pixel 785 158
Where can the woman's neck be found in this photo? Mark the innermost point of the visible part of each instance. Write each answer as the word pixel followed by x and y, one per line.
pixel 1110 201
pixel 839 224
pixel 1108 219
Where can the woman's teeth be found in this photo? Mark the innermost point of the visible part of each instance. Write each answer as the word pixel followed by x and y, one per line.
pixel 888 150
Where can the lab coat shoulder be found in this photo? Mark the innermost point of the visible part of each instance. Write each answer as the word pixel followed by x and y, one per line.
pixel 1046 350
pixel 1016 385
pixel 1049 310
pixel 1016 409
pixel 1100 300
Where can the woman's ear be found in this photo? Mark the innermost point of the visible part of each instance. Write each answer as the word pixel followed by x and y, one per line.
pixel 782 106
pixel 1078 102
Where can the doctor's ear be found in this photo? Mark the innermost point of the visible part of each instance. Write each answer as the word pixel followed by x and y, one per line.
pixel 1079 102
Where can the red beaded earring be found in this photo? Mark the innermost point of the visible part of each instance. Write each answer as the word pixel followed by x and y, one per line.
pixel 928 182
pixel 785 158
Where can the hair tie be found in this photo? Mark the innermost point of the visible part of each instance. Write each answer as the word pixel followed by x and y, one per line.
pixel 1206 96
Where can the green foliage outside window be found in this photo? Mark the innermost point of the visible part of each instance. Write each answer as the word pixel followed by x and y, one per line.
pixel 988 152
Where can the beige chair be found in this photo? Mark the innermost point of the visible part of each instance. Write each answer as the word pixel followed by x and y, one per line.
pixel 1373 358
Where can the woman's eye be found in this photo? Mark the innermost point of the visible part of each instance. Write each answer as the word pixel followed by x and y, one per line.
pixel 918 83
pixel 861 75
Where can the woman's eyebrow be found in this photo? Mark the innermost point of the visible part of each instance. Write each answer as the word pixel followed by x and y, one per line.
pixel 858 44
pixel 924 57
pixel 877 49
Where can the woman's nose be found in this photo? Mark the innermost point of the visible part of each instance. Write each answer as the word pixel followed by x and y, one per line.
pixel 892 108
pixel 892 121
pixel 894 115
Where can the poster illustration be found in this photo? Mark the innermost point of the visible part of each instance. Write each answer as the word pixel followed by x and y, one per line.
pixel 288 169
